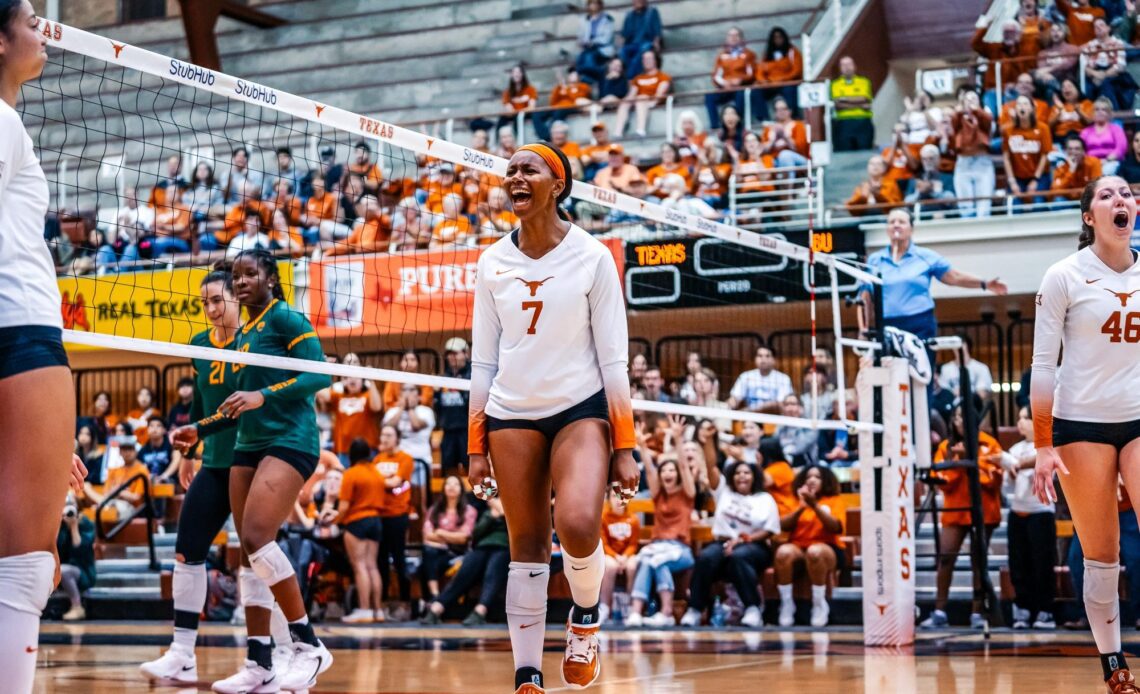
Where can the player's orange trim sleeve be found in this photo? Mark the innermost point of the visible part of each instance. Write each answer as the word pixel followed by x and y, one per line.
pixel 1042 429
pixel 477 433
pixel 621 423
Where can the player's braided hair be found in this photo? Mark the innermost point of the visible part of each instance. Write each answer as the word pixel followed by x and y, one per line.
pixel 267 262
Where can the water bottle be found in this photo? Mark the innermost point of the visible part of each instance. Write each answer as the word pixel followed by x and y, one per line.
pixel 717 618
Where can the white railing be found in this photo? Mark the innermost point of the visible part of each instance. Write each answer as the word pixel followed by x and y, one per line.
pixel 822 41
pixel 787 205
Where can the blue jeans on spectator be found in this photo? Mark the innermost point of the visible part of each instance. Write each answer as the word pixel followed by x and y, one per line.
pixel 164 245
pixel 130 255
pixel 208 242
pixel 631 58
pixel 1042 186
pixel 105 257
pixel 1129 556
pixel 591 64
pixel 543 119
pixel 789 158
pixel 662 574
pixel 974 178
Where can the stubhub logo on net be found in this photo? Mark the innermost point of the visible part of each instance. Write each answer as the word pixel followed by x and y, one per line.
pixel 192 73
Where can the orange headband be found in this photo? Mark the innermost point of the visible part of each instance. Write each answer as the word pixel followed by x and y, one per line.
pixel 549 156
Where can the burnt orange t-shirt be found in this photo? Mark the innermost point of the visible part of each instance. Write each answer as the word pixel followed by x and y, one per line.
pixel 782 476
pixel 521 101
pixel 235 219
pixel 1006 118
pixel 740 65
pixel 662 170
pixel 453 230
pixel 571 149
pixel 1074 180
pixel 175 217
pixel 363 489
pixel 353 419
pixel 372 174
pixel 1080 21
pixel 567 95
pixel 785 69
pixel 647 83
pixel 712 180
pixel 809 530
pixel 621 533
pixel 897 161
pixel 956 491
pixel 121 474
pixel 398 464
pixel 1026 147
pixel 756 175
pixel 321 207
pixel 392 394
pixel 1069 118
pixel 673 516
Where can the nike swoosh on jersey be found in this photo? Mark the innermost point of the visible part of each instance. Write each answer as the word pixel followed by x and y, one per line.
pixel 1093 281
pixel 502 272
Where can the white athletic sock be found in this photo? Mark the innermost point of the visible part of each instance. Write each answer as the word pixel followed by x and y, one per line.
pixel 818 594
pixel 585 579
pixel 1102 604
pixel 27 582
pixel 279 627
pixel 190 584
pixel 526 612
pixel 785 593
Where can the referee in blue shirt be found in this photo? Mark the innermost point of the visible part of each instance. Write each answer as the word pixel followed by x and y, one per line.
pixel 906 270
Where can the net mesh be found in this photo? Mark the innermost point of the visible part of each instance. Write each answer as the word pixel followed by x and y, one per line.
pixel 160 168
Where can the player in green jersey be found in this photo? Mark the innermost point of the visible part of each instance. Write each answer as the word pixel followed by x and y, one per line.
pixel 276 451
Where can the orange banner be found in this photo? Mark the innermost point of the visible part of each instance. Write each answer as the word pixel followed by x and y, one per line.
pixel 382 293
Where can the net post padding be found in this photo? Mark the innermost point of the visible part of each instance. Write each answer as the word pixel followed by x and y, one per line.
pixel 887 502
pixel 126 56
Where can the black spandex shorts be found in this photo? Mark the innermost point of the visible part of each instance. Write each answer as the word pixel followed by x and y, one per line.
pixel 371 528
pixel 26 348
pixel 593 407
pixel 304 463
pixel 1115 434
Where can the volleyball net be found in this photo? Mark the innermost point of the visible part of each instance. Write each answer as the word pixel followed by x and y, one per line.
pixel 160 169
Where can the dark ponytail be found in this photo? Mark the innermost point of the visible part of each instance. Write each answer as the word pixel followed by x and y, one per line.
pixel 265 261
pixel 220 272
pixel 1088 235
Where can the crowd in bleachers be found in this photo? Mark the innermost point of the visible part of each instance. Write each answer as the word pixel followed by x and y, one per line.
pixel 1047 139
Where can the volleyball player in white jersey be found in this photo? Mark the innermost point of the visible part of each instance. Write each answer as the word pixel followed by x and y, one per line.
pixel 550 404
pixel 1086 412
pixel 37 400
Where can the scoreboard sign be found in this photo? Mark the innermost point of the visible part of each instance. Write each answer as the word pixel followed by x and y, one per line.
pixel 693 272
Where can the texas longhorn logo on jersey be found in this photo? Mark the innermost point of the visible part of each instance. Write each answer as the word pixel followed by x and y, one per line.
pixel 533 286
pixel 1119 295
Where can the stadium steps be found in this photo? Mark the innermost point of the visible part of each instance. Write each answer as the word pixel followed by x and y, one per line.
pixel 532 9
pixel 846 170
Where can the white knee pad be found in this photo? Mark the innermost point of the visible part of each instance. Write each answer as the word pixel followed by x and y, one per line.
pixel 189 586
pixel 1101 582
pixel 526 589
pixel 254 591
pixel 28 580
pixel 271 564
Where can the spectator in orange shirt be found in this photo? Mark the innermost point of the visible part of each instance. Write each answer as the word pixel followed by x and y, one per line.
pixel 250 196
pixel 363 166
pixel 1080 16
pixel 670 164
pixel 361 499
pixel 560 138
pixel 711 179
pixel 815 541
pixel 520 95
pixel 320 219
pixel 410 363
pixel 973 169
pixel 900 159
pixel 453 227
pixel 1025 149
pixel 645 91
pixel 1024 86
pixel 372 230
pixel 689 135
pixel 444 185
pixel 753 167
pixel 618 174
pixel 878 191
pixel 1015 58
pixel 595 156
pixel 356 406
pixel 396 469
pixel 621 538
pixel 172 227
pixel 567 97
pixel 284 236
pixel 1071 111
pixel 1034 28
pixel 782 62
pixel 169 188
pixel 495 219
pixel 785 138
pixel 956 495
pixel 1076 170
pixel 735 67
pixel 252 235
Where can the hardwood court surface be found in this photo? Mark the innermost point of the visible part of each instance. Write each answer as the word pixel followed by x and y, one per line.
pixel 103 658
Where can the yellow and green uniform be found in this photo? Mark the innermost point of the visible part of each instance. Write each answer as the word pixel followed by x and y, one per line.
pixel 288 417
pixel 858 86
pixel 213 382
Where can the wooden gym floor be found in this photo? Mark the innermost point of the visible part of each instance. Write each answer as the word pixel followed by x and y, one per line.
pixel 103 658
